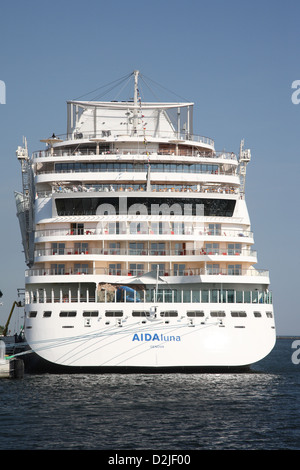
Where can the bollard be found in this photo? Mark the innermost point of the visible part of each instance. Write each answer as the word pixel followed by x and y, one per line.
pixel 16 368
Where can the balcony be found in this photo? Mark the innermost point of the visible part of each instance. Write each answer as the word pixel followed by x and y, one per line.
pixel 132 228
pixel 145 252
pixel 84 150
pixel 140 187
pixel 230 271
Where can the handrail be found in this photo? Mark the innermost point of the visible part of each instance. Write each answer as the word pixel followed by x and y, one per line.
pixel 137 187
pixel 138 170
pixel 143 252
pixel 138 134
pixel 231 271
pixel 132 152
pixel 130 231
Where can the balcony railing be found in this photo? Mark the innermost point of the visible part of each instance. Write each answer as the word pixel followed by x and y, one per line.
pixel 131 229
pixel 131 187
pixel 119 169
pixel 230 271
pixel 143 252
pixel 56 152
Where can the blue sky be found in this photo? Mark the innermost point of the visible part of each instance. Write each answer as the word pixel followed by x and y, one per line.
pixel 236 60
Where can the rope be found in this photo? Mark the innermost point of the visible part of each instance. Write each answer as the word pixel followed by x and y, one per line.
pixel 112 331
pixel 118 81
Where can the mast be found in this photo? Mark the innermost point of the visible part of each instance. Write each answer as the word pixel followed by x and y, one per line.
pixel 244 159
pixel 25 203
pixel 135 101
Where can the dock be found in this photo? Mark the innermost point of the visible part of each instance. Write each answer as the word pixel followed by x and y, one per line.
pixel 10 367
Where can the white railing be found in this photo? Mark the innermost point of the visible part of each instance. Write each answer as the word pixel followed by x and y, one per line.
pixel 131 229
pixel 230 271
pixel 143 252
pixel 131 187
pixel 150 295
pixel 78 152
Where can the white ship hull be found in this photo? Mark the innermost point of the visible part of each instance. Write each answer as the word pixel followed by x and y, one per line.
pixel 155 343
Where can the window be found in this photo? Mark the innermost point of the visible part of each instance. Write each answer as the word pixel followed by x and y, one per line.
pixel 158 249
pixel 114 248
pixel 161 268
pixel 47 314
pixel 239 314
pixel 114 313
pixel 138 227
pixel 186 295
pixel 217 313
pixel 230 296
pixel 179 269
pixel 215 295
pixel 93 313
pixel 81 268
pixel 195 313
pixel 179 249
pixel 113 227
pixel 136 269
pixel 32 314
pixel 234 248
pixel 58 248
pixel 81 248
pixel 77 229
pixel 205 296
pixel 169 313
pixel 57 269
pixel 257 314
pixel 212 248
pixel 140 313
pixel 234 269
pixel 269 314
pixel 177 228
pixel 67 313
pixel 165 295
pixel 195 296
pixel 136 248
pixel 114 269
pixel 214 229
pixel 213 268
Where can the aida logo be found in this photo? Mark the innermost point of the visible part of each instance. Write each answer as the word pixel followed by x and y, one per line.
pixel 154 337
pixel 2 92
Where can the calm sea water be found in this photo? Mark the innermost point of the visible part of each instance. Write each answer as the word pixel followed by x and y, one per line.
pixel 256 410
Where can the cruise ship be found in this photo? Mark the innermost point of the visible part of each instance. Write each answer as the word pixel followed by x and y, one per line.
pixel 138 245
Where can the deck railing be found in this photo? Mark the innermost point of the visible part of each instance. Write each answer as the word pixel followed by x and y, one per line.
pixel 143 252
pixel 62 271
pixel 132 229
pixel 78 152
pixel 196 296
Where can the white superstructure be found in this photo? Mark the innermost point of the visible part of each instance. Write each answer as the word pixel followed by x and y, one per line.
pixel 139 246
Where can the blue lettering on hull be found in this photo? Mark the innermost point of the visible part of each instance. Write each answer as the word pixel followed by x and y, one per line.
pixel 154 337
